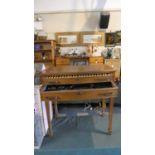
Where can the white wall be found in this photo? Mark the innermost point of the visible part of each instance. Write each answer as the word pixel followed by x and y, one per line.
pixel 81 21
pixel 42 6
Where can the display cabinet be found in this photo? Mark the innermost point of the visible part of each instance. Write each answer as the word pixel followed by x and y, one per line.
pixel 44 51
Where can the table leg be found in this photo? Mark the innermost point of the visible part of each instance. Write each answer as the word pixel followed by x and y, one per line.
pixel 56 109
pixel 110 115
pixel 103 105
pixel 50 132
pixel 57 114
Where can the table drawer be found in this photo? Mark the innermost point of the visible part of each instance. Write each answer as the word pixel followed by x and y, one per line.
pixel 95 60
pixel 87 94
pixel 62 61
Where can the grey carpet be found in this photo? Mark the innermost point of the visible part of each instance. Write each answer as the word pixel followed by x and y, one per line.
pixel 84 132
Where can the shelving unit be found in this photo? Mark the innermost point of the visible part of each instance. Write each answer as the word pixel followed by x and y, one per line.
pixel 76 39
pixel 44 51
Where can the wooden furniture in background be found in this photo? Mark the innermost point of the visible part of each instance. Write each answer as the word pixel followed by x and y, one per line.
pixel 70 83
pixel 44 51
pixel 116 64
pixel 68 39
pixel 96 60
pixel 77 60
pixel 72 60
pixel 62 61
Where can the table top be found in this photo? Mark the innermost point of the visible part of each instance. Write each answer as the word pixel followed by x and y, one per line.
pixel 83 69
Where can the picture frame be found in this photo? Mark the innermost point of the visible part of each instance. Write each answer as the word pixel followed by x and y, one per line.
pixel 110 39
pixel 94 38
pixel 67 38
pixel 118 38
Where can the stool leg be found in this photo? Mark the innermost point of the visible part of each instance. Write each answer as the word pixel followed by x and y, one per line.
pixel 103 105
pixel 56 109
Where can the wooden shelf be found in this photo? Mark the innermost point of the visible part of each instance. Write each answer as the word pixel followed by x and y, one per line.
pixel 74 57
pixel 43 61
pixel 46 47
pixel 48 50
pixel 42 41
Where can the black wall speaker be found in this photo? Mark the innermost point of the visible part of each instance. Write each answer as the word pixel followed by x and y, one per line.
pixel 104 20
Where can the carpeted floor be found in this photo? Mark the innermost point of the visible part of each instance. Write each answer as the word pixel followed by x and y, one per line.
pixel 99 151
pixel 83 135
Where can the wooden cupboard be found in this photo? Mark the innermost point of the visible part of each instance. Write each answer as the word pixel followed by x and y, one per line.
pixel 96 60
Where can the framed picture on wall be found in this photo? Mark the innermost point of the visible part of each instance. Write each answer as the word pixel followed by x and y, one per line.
pixel 67 38
pixel 97 38
pixel 110 39
pixel 118 38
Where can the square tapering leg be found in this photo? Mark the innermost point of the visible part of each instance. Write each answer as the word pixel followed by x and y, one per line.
pixel 111 105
